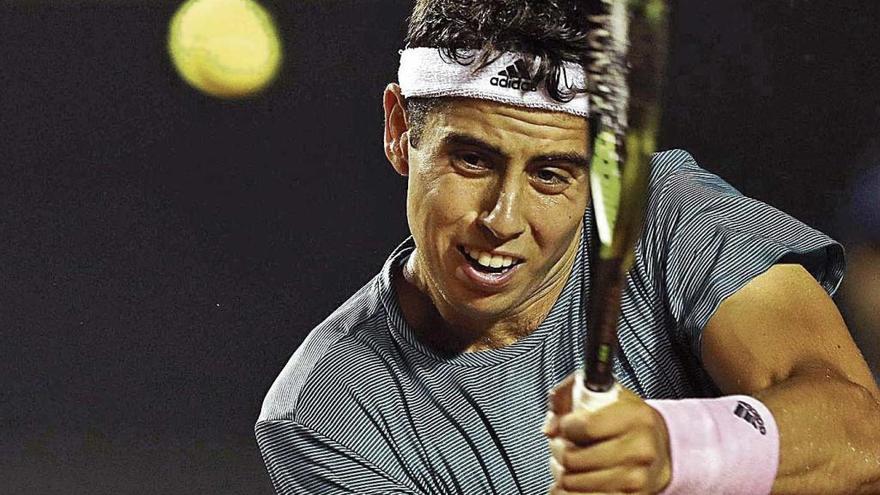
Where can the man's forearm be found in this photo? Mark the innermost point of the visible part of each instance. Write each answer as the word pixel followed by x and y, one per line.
pixel 829 434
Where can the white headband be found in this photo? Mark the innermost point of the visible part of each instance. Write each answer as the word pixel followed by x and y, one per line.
pixel 424 72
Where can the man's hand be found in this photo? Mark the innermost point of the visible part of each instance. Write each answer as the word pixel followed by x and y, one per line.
pixel 622 448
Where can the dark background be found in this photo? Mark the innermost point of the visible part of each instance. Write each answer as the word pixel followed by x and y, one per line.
pixel 162 253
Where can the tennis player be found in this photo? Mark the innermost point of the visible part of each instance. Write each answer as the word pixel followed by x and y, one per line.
pixel 740 374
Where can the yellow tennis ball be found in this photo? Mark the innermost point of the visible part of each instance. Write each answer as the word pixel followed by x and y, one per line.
pixel 226 48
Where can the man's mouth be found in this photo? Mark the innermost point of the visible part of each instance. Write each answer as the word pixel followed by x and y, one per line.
pixel 487 262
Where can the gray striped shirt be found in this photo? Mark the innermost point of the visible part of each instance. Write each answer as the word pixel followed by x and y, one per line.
pixel 364 407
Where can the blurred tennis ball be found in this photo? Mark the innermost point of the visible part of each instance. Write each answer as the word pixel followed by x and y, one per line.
pixel 226 48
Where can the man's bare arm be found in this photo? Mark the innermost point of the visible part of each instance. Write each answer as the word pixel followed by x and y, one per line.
pixel 782 340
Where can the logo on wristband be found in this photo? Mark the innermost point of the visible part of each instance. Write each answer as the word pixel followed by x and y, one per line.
pixel 745 411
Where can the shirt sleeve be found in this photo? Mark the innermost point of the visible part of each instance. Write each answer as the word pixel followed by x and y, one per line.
pixel 303 461
pixel 705 241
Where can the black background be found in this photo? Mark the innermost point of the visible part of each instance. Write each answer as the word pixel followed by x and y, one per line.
pixel 162 253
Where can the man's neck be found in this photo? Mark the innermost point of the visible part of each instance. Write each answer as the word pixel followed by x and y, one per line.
pixel 449 335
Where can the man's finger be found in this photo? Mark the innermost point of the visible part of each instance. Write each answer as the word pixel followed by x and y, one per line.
pixel 558 404
pixel 584 428
pixel 629 450
pixel 555 489
pixel 613 480
pixel 559 399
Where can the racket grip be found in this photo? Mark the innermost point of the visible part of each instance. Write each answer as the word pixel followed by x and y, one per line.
pixel 585 399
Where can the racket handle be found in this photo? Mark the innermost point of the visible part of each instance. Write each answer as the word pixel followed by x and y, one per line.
pixel 585 399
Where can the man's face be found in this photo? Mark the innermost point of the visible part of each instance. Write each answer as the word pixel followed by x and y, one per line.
pixel 492 184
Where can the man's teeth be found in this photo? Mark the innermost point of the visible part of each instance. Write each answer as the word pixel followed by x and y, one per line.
pixel 490 261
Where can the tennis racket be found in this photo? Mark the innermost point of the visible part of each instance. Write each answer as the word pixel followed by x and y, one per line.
pixel 625 70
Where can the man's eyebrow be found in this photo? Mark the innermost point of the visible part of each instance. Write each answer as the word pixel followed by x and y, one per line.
pixel 460 139
pixel 457 138
pixel 575 159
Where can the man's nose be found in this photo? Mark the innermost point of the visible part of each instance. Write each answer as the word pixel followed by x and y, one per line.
pixel 504 219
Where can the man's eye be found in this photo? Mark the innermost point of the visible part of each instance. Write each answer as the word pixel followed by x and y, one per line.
pixel 472 161
pixel 550 177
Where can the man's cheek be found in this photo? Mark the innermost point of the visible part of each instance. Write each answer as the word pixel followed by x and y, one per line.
pixel 459 203
pixel 553 244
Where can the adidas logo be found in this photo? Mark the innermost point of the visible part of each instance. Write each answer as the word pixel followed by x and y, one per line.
pixel 515 76
pixel 750 415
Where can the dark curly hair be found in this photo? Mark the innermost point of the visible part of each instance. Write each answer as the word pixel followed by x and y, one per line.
pixel 478 31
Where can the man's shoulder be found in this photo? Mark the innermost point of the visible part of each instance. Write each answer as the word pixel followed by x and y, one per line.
pixel 669 163
pixel 349 341
pixel 676 177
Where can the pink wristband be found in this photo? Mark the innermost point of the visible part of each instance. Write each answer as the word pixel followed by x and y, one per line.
pixel 728 445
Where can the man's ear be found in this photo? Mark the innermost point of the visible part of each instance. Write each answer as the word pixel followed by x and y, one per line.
pixel 396 129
